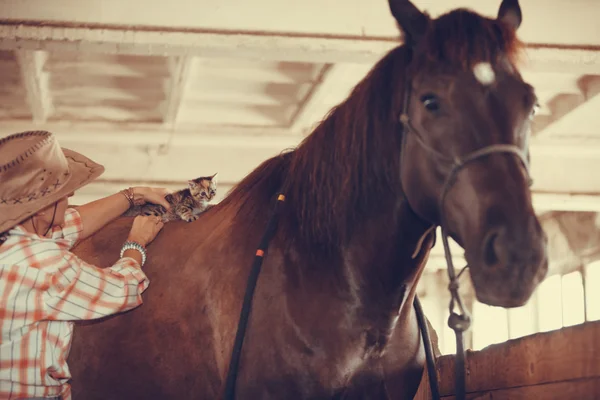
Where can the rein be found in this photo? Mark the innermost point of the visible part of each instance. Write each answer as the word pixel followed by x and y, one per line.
pixel 250 286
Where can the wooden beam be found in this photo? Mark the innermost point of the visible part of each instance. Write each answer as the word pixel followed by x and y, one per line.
pixel 181 67
pixel 577 389
pixel 580 112
pixel 332 87
pixel 105 187
pixel 251 45
pixel 156 134
pixel 166 42
pixel 35 81
pixel 572 60
pixel 545 201
pixel 563 356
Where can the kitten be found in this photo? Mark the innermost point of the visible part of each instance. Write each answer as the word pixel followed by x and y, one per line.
pixel 186 204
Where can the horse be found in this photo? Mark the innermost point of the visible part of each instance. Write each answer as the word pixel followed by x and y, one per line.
pixel 435 135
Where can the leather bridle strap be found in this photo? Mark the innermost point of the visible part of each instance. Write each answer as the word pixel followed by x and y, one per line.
pixel 236 353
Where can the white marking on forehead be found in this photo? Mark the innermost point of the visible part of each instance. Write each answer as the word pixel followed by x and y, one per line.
pixel 484 73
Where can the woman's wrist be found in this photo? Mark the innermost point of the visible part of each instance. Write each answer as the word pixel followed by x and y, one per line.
pixel 131 246
pixel 136 239
pixel 136 255
pixel 138 195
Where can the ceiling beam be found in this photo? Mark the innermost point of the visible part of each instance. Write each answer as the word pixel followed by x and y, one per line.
pixel 180 67
pixel 35 81
pixel 166 42
pixel 251 45
pixel 542 201
pixel 332 87
pixel 194 135
pixel 153 133
pixel 579 113
pixel 547 201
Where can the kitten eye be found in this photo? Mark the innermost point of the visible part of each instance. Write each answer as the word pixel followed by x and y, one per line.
pixel 431 102
pixel 535 110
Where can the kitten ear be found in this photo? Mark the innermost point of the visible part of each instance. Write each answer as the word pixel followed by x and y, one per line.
pixel 191 183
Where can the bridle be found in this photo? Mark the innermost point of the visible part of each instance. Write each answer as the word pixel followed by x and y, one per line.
pixel 460 320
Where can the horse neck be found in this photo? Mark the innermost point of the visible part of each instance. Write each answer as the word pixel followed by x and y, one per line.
pixel 346 208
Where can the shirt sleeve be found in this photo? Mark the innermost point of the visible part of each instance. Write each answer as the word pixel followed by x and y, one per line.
pixel 71 228
pixel 80 291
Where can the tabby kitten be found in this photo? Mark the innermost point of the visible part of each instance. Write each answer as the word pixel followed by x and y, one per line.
pixel 186 204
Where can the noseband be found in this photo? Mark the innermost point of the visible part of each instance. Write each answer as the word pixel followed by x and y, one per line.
pixel 459 321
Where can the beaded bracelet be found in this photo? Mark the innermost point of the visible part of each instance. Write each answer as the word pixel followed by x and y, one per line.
pixel 129 245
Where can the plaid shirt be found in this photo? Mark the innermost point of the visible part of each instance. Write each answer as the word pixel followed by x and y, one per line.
pixel 43 286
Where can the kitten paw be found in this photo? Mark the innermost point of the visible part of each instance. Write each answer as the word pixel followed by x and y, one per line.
pixel 190 218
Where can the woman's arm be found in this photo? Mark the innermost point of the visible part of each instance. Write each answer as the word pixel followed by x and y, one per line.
pixel 98 213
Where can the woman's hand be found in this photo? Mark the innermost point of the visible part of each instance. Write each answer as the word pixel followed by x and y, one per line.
pixel 144 229
pixel 152 195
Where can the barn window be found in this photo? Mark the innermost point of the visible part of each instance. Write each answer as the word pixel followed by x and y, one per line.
pixel 559 301
pixel 592 291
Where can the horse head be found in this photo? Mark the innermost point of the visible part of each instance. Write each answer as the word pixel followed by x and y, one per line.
pixel 466 119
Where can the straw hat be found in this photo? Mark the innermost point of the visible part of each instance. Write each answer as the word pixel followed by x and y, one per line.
pixel 36 172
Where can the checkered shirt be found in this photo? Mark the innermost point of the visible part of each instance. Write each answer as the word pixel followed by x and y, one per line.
pixel 43 288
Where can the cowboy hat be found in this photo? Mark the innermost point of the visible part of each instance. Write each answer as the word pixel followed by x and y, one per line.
pixel 36 172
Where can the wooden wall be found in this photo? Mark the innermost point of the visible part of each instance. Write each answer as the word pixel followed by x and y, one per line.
pixel 562 364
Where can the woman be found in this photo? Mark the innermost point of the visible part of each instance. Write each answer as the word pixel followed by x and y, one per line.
pixel 43 286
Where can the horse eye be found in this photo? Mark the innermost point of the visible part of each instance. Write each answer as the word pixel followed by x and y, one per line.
pixel 430 102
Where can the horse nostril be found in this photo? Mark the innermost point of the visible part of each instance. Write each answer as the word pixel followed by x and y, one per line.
pixel 490 256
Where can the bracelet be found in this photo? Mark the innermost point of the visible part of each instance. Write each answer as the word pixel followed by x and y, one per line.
pixel 130 196
pixel 129 245
pixel 128 193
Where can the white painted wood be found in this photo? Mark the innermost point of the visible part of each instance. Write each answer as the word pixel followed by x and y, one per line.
pixel 544 21
pixel 35 81
pixel 181 68
pixel 335 83
pixel 255 46
pixel 582 117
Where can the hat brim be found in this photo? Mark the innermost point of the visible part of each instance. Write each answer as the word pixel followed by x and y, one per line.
pixel 83 171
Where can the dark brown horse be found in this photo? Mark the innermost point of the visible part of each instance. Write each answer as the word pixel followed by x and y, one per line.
pixel 332 314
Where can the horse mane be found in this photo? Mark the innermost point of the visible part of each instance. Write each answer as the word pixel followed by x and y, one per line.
pixel 462 38
pixel 335 177
pixel 350 162
pixel 347 169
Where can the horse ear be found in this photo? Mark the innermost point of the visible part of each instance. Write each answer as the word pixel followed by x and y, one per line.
pixel 411 21
pixel 510 13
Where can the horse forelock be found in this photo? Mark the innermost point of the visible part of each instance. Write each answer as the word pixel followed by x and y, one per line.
pixel 461 39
